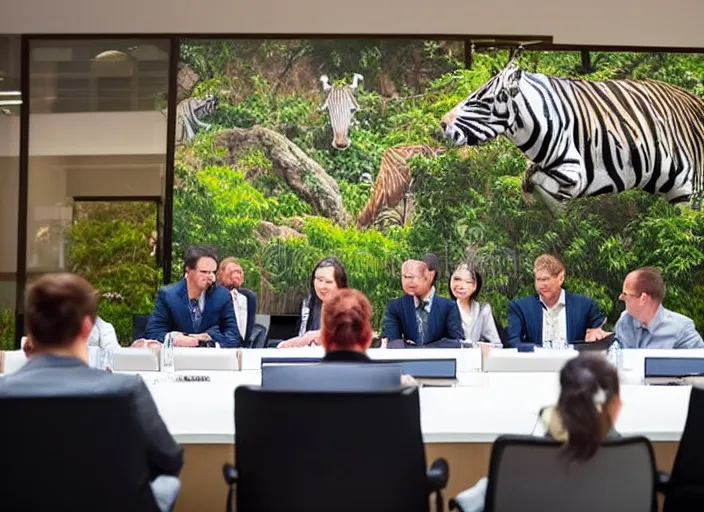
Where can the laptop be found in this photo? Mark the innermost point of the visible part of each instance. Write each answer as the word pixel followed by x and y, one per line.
pixel 333 377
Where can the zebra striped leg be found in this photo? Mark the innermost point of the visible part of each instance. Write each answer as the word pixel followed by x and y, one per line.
pixel 556 208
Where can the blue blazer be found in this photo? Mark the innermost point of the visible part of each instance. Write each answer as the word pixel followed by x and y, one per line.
pixel 251 312
pixel 443 322
pixel 171 313
pixel 525 319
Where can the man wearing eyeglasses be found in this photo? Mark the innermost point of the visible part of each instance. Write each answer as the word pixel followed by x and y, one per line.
pixel 646 323
pixel 195 310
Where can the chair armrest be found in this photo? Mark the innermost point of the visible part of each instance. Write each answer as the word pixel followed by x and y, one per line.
pixel 229 472
pixel 452 506
pixel 438 475
pixel 662 483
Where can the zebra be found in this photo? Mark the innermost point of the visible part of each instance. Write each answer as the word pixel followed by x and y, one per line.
pixel 341 106
pixel 188 115
pixel 393 186
pixel 587 138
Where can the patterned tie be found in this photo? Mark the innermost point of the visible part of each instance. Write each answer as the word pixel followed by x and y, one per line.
pixel 196 314
pixel 422 314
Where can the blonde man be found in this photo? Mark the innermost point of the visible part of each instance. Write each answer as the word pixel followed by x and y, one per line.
pixel 231 277
pixel 552 313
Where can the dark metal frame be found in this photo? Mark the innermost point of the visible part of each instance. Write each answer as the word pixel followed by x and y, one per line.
pixel 472 43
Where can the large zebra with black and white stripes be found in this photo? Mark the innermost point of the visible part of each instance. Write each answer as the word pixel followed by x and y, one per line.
pixel 589 138
pixel 341 106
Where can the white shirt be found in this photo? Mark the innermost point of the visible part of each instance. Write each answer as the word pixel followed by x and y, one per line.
pixel 103 335
pixel 555 320
pixel 239 301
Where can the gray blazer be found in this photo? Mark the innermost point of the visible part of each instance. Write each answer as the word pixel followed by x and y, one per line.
pixel 482 327
pixel 51 375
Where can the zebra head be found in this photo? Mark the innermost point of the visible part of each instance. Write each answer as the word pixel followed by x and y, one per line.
pixel 488 112
pixel 341 106
pixel 209 105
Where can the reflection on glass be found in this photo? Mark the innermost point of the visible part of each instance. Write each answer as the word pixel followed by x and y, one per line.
pixel 98 138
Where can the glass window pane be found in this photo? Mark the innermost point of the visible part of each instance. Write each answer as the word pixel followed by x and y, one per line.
pixel 97 149
pixel 10 105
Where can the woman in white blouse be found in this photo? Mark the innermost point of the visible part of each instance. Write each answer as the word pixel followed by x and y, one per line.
pixel 477 318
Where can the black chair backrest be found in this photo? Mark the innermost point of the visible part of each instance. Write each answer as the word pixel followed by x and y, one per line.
pixel 329 451
pixel 532 473
pixel 80 453
pixel 332 377
pixel 283 327
pixel 139 325
pixel 257 338
pixel 503 332
pixel 686 485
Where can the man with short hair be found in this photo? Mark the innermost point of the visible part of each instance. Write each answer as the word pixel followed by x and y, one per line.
pixel 553 313
pixel 231 277
pixel 420 317
pixel 195 310
pixel 646 323
pixel 59 314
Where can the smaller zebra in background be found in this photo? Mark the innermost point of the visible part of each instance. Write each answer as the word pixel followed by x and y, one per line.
pixel 341 106
pixel 391 202
pixel 189 113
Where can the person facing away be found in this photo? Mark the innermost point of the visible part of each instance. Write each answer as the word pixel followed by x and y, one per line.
pixel 327 278
pixel 420 317
pixel 231 277
pixel 195 310
pixel 585 414
pixel 553 313
pixel 346 329
pixel 646 323
pixel 60 310
pixel 477 317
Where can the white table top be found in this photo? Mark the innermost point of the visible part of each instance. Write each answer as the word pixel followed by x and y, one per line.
pixel 481 407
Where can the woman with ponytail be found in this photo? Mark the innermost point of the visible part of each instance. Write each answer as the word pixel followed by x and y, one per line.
pixel 587 408
pixel 584 416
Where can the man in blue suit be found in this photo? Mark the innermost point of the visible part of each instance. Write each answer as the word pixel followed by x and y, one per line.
pixel 554 313
pixel 420 317
pixel 195 310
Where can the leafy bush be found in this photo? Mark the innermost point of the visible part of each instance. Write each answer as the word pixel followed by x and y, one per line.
pixel 109 246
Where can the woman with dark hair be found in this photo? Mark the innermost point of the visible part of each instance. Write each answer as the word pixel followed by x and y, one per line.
pixel 327 278
pixel 477 318
pixel 585 415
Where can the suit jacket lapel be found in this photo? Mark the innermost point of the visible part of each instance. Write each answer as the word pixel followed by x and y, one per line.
pixel 183 308
pixel 409 314
pixel 432 319
pixel 569 306
pixel 538 323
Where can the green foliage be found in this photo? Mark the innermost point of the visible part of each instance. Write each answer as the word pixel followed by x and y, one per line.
pixel 7 329
pixel 466 202
pixel 109 246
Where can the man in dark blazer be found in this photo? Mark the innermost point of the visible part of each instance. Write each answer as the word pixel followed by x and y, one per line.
pixel 196 310
pixel 231 277
pixel 60 311
pixel 553 313
pixel 420 317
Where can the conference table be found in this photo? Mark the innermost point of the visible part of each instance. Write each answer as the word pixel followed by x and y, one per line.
pixel 458 423
pixel 500 392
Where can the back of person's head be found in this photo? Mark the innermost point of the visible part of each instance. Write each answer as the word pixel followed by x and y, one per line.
pixel 346 322
pixel 57 307
pixel 649 280
pixel 589 403
pixel 195 253
pixel 431 261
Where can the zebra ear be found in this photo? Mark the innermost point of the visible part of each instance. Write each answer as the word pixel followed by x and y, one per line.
pixel 512 81
pixel 326 83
